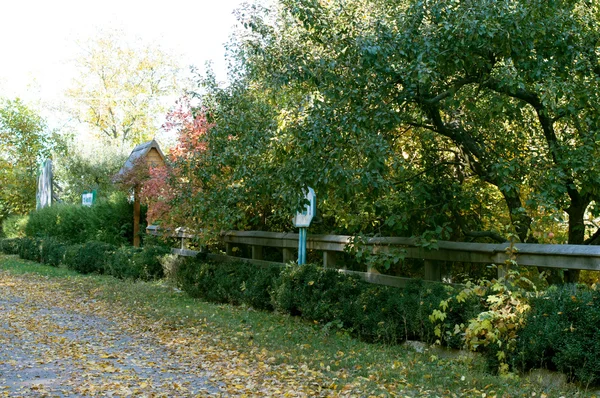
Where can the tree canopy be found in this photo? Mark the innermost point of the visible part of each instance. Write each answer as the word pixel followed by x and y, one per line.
pixel 24 142
pixel 412 116
pixel 123 88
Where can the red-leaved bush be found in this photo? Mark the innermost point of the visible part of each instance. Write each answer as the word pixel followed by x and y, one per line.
pixel 170 191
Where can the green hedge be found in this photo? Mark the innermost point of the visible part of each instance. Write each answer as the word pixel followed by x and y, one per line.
pixel 14 226
pixel 325 296
pixel 563 333
pixel 109 221
pixel 91 257
pixel 233 283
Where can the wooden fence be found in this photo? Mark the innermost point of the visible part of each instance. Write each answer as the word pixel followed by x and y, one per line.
pixel 576 257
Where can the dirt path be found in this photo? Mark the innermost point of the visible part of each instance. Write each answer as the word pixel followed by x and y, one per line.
pixel 51 345
pixel 58 342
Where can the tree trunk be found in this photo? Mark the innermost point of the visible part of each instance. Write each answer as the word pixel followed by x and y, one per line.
pixel 576 212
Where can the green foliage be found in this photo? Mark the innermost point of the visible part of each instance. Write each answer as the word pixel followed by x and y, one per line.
pixel 494 330
pixel 561 333
pixel 10 246
pixel 122 263
pixel 109 221
pixel 233 283
pixel 79 171
pixel 52 252
pixel 30 249
pixel 68 223
pixel 24 141
pixel 90 257
pixel 14 226
pixel 148 261
pixel 315 293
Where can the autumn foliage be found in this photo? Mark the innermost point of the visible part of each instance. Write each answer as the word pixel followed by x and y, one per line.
pixel 170 191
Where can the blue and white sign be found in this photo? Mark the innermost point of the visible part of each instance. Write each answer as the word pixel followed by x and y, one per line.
pixel 304 217
pixel 302 220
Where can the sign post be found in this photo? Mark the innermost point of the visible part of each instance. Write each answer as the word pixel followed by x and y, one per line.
pixel 302 221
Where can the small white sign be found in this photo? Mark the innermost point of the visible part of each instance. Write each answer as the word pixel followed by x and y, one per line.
pixel 87 199
pixel 303 218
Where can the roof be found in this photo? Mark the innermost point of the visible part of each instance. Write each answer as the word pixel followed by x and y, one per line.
pixel 138 152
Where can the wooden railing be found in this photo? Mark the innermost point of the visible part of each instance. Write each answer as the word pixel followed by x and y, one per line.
pixel 576 257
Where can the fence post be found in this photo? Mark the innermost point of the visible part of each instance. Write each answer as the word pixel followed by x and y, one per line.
pixel 433 271
pixel 288 255
pixel 229 249
pixel 257 252
pixel 329 259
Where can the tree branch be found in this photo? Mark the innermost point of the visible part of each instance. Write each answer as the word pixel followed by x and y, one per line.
pixel 485 234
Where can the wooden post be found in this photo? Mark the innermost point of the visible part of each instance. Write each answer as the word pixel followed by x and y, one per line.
pixel 288 255
pixel 329 259
pixel 257 252
pixel 433 271
pixel 136 216
pixel 502 270
pixel 229 249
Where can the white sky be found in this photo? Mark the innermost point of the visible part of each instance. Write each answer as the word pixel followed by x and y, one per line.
pixel 38 37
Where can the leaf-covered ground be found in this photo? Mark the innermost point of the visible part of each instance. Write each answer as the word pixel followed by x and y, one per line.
pixel 58 342
pixel 64 335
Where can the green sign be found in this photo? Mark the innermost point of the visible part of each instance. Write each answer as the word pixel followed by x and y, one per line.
pixel 88 198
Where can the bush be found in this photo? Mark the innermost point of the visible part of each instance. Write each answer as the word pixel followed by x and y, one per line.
pixel 121 263
pixel 562 333
pixel 10 246
pixel 67 223
pixel 14 226
pixel 52 252
pixel 315 293
pixel 373 313
pixel 90 257
pixel 148 260
pixel 30 249
pixel 109 221
pixel 233 283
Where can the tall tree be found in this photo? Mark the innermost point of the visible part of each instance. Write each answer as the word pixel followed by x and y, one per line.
pixel 504 92
pixel 123 89
pixel 24 142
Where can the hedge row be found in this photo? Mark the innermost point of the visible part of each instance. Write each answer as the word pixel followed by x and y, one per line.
pixel 91 257
pixel 108 221
pixel 373 313
pixel 562 330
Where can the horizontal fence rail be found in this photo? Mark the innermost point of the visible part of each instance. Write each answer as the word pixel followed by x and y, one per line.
pixel 575 257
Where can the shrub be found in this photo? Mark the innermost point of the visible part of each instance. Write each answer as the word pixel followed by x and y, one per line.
pixel 121 264
pixel 90 257
pixel 30 249
pixel 52 252
pixel 256 291
pixel 14 226
pixel 10 246
pixel 233 283
pixel 67 223
pixel 562 333
pixel 316 293
pixel 108 221
pixel 374 313
pixel 148 261
pixel 111 221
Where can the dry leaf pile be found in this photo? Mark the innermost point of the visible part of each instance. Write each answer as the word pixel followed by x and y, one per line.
pixel 59 342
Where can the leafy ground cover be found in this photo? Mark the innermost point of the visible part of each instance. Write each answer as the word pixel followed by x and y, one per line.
pixel 64 334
